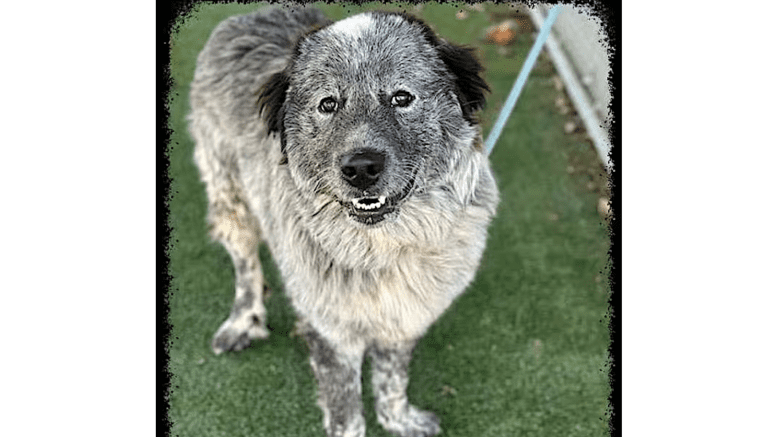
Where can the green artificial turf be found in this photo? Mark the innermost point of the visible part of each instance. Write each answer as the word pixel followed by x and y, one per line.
pixel 523 352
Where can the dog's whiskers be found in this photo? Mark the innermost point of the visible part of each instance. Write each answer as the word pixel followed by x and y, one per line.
pixel 322 208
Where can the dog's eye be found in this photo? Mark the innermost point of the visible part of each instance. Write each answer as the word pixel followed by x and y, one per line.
pixel 402 99
pixel 328 105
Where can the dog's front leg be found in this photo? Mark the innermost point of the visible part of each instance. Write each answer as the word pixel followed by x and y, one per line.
pixel 339 386
pixel 389 382
pixel 234 226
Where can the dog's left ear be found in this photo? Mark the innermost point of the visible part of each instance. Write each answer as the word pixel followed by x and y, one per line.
pixel 272 97
pixel 470 87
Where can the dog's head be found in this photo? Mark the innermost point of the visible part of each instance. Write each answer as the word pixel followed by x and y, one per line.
pixel 374 109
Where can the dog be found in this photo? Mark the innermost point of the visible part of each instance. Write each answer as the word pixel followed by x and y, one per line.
pixel 353 151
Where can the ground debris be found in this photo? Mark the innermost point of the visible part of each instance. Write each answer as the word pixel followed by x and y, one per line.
pixel 503 33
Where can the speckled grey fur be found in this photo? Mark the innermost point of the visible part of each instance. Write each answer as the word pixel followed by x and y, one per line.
pixel 283 103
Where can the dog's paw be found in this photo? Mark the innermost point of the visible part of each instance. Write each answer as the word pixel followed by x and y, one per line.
pixel 414 423
pixel 236 333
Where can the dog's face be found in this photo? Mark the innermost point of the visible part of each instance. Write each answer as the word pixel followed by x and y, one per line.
pixel 372 110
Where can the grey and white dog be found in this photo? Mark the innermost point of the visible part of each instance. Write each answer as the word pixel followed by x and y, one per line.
pixel 351 149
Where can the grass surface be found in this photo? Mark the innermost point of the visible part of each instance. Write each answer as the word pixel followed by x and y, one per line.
pixel 523 352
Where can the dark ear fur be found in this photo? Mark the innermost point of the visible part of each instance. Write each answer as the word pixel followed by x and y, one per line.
pixel 470 87
pixel 272 97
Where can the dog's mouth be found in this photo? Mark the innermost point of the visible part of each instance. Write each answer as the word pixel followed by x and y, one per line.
pixel 372 210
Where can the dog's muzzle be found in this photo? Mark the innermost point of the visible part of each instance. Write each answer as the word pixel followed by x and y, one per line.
pixel 362 170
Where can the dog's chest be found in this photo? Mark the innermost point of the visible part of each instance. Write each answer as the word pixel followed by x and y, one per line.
pixel 390 304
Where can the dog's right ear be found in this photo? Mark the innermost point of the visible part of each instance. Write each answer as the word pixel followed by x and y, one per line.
pixel 470 87
pixel 272 98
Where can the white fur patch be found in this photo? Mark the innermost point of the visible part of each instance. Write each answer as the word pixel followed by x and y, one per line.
pixel 354 26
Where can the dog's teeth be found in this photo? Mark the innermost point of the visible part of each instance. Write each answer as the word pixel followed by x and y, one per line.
pixel 369 203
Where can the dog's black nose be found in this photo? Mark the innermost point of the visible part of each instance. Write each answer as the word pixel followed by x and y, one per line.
pixel 363 168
